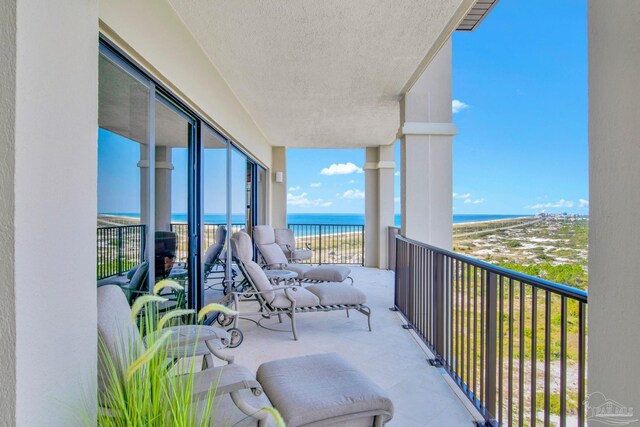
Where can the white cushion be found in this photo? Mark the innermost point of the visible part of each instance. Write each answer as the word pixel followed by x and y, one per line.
pixel 301 269
pixel 328 273
pixel 337 293
pixel 241 246
pixel 303 298
pixel 313 390
pixel 301 254
pixel 260 280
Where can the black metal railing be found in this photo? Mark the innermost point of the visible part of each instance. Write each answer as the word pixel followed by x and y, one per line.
pixel 331 243
pixel 119 249
pixel 514 344
pixel 392 232
pixel 209 232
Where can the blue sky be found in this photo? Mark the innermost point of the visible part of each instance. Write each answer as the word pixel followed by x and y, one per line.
pixel 520 98
pixel 520 91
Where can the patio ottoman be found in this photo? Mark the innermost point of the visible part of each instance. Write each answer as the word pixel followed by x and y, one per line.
pixel 323 389
pixel 328 273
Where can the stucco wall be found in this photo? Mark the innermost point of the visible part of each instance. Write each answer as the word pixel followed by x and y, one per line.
pixel 279 189
pixel 156 36
pixel 55 210
pixel 7 169
pixel 426 155
pixel 614 235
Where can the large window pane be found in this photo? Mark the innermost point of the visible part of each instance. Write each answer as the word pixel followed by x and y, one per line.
pixel 214 228
pixel 173 137
pixel 123 176
pixel 239 199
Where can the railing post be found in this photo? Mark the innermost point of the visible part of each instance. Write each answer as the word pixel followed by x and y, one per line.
pixel 320 242
pixel 362 246
pixel 491 344
pixel 120 241
pixel 143 242
pixel 439 308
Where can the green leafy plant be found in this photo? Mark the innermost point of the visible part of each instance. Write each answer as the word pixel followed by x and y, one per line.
pixel 148 392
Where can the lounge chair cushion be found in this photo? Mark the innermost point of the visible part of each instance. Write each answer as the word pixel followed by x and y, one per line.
pixel 301 269
pixel 265 239
pixel 260 280
pixel 272 254
pixel 242 247
pixel 116 331
pixel 287 242
pixel 284 237
pixel 303 298
pixel 328 273
pixel 337 294
pixel 322 387
pixel 301 254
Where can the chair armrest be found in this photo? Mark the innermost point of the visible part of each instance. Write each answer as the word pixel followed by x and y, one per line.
pixel 275 288
pixel 278 265
pixel 253 385
pixel 214 338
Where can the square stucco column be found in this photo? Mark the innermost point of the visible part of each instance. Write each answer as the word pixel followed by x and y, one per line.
pixel 279 189
pixel 48 170
pixel 379 169
pixel 614 176
pixel 426 135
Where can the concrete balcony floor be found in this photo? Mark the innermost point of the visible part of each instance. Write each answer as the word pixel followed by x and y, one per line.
pixel 389 355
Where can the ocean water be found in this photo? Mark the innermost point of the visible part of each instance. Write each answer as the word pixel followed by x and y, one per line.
pixel 317 218
pixel 355 219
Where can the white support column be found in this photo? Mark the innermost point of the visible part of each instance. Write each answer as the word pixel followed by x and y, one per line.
pixel 426 134
pixel 164 169
pixel 48 209
pixel 379 169
pixel 614 176
pixel 371 214
pixel 279 189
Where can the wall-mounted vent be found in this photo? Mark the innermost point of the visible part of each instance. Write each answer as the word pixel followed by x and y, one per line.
pixel 475 16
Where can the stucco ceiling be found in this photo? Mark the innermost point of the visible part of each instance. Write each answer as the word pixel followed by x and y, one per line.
pixel 320 73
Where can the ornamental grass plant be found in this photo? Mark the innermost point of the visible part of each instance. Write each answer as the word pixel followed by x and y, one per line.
pixel 144 386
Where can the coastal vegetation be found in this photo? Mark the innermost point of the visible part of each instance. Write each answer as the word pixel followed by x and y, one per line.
pixel 554 249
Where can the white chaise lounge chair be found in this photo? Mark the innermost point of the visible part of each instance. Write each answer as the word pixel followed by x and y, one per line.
pixel 287 242
pixel 273 256
pixel 291 300
pixel 316 390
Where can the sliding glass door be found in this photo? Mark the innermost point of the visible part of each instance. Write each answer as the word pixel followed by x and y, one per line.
pixel 215 229
pixel 175 216
pixel 171 189
pixel 124 202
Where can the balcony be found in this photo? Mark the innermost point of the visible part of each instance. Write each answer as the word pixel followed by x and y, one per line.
pixel 392 356
pixel 336 81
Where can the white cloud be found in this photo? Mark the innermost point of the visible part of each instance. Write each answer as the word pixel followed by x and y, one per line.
pixel 582 203
pixel 457 106
pixel 341 169
pixel 315 184
pixel 562 203
pixel 397 173
pixel 352 181
pixel 461 196
pixel 302 201
pixel 474 202
pixel 353 194
pixel 296 188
